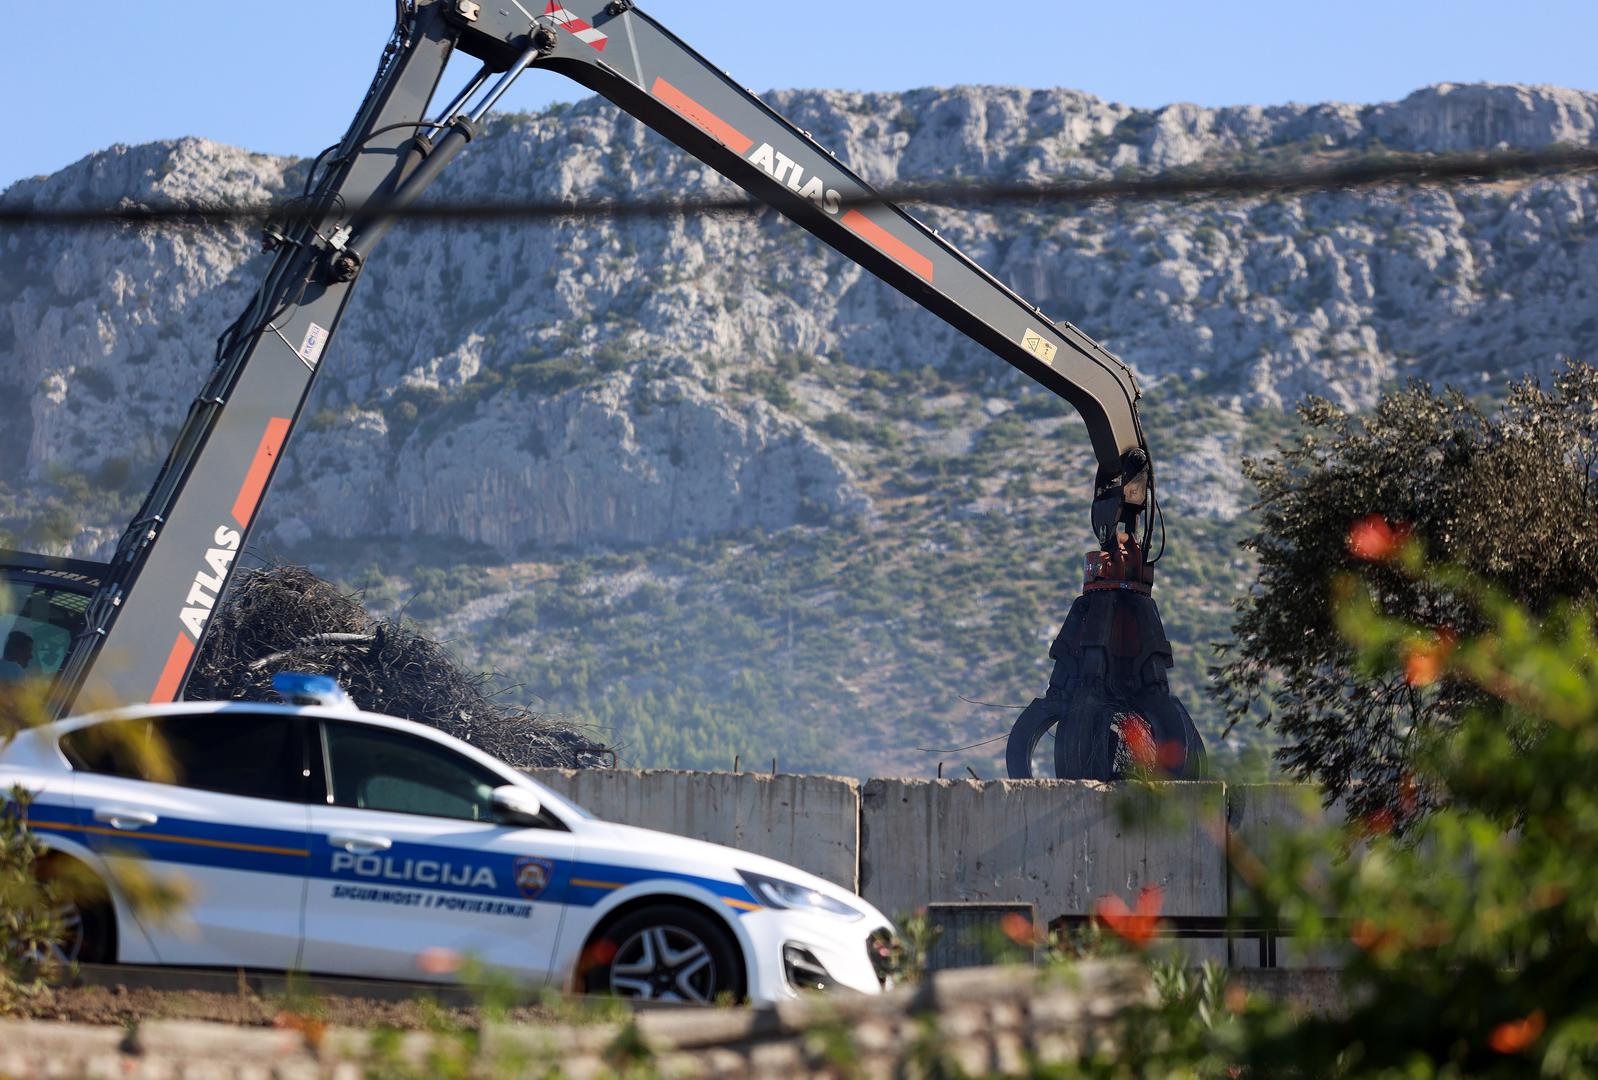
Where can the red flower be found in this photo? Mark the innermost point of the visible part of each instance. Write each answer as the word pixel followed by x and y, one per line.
pixel 1379 822
pixel 1018 928
pixel 1513 1036
pixel 596 955
pixel 1136 926
pixel 1372 938
pixel 312 1029
pixel 1372 539
pixel 1139 740
pixel 1172 755
pixel 1424 660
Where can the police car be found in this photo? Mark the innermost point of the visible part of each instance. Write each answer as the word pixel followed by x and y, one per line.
pixel 319 838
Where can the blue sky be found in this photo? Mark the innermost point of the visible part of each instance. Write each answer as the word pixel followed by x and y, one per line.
pixel 286 77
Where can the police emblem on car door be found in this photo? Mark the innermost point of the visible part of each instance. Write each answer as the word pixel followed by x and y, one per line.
pixel 532 875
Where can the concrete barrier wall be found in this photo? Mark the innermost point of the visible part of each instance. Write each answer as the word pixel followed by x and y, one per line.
pixel 1257 817
pixel 1058 844
pixel 812 822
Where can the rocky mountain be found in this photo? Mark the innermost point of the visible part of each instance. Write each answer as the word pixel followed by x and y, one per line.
pixel 527 399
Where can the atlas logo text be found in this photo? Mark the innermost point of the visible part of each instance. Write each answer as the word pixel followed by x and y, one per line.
pixel 206 588
pixel 785 170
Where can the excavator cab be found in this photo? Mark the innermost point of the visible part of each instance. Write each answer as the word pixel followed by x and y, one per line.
pixel 43 600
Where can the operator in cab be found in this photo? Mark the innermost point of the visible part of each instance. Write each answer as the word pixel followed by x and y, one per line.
pixel 18 655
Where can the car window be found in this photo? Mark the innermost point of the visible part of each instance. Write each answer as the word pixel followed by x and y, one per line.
pixel 255 756
pixel 374 769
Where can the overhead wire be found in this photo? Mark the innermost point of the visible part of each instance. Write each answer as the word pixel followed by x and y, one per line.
pixel 1186 183
pixel 959 749
pixel 1182 183
pixel 1422 171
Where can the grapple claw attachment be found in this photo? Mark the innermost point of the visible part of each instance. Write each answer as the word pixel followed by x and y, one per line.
pixel 1109 695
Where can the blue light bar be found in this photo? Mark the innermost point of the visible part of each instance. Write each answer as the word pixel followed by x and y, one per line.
pixel 303 688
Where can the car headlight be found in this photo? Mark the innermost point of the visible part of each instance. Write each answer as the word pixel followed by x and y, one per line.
pixel 774 892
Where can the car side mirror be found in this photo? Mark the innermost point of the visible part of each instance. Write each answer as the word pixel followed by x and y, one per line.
pixel 516 806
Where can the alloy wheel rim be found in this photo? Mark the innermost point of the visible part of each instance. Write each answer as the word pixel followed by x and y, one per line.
pixel 664 963
pixel 64 951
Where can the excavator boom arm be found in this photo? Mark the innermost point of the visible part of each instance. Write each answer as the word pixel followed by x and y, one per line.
pixel 143 628
pixel 144 624
pixel 620 52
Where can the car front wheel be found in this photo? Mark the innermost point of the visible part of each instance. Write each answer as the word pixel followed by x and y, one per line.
pixel 665 953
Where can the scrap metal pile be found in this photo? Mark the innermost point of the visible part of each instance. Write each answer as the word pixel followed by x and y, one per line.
pixel 285 618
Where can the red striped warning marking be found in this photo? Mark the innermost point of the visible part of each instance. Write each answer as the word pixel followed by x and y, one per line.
pixel 701 117
pixel 578 29
pixel 277 429
pixel 890 245
pixel 177 662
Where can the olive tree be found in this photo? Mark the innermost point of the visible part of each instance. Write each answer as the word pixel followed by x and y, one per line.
pixel 1508 492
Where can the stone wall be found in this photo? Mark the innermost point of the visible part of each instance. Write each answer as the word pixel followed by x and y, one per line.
pixel 985 1021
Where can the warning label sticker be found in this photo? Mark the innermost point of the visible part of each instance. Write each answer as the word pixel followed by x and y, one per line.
pixel 311 347
pixel 1039 346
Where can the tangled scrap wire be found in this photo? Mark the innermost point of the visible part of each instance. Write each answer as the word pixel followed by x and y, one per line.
pixel 285 618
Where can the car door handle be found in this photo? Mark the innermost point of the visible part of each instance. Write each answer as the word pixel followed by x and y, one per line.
pixel 119 817
pixel 354 843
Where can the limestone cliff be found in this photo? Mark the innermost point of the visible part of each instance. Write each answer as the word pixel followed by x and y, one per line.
pixel 600 381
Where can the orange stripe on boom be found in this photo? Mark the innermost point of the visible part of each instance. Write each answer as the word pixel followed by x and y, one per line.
pixel 277 429
pixel 701 117
pixel 177 662
pixel 890 245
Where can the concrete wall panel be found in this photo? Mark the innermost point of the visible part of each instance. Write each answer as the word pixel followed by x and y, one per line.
pixel 812 822
pixel 1057 844
pixel 903 844
pixel 1259 816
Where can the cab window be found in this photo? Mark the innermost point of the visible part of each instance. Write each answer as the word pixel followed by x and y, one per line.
pixel 37 625
pixel 370 768
pixel 258 757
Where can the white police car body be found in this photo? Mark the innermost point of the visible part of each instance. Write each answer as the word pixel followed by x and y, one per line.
pixel 328 840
